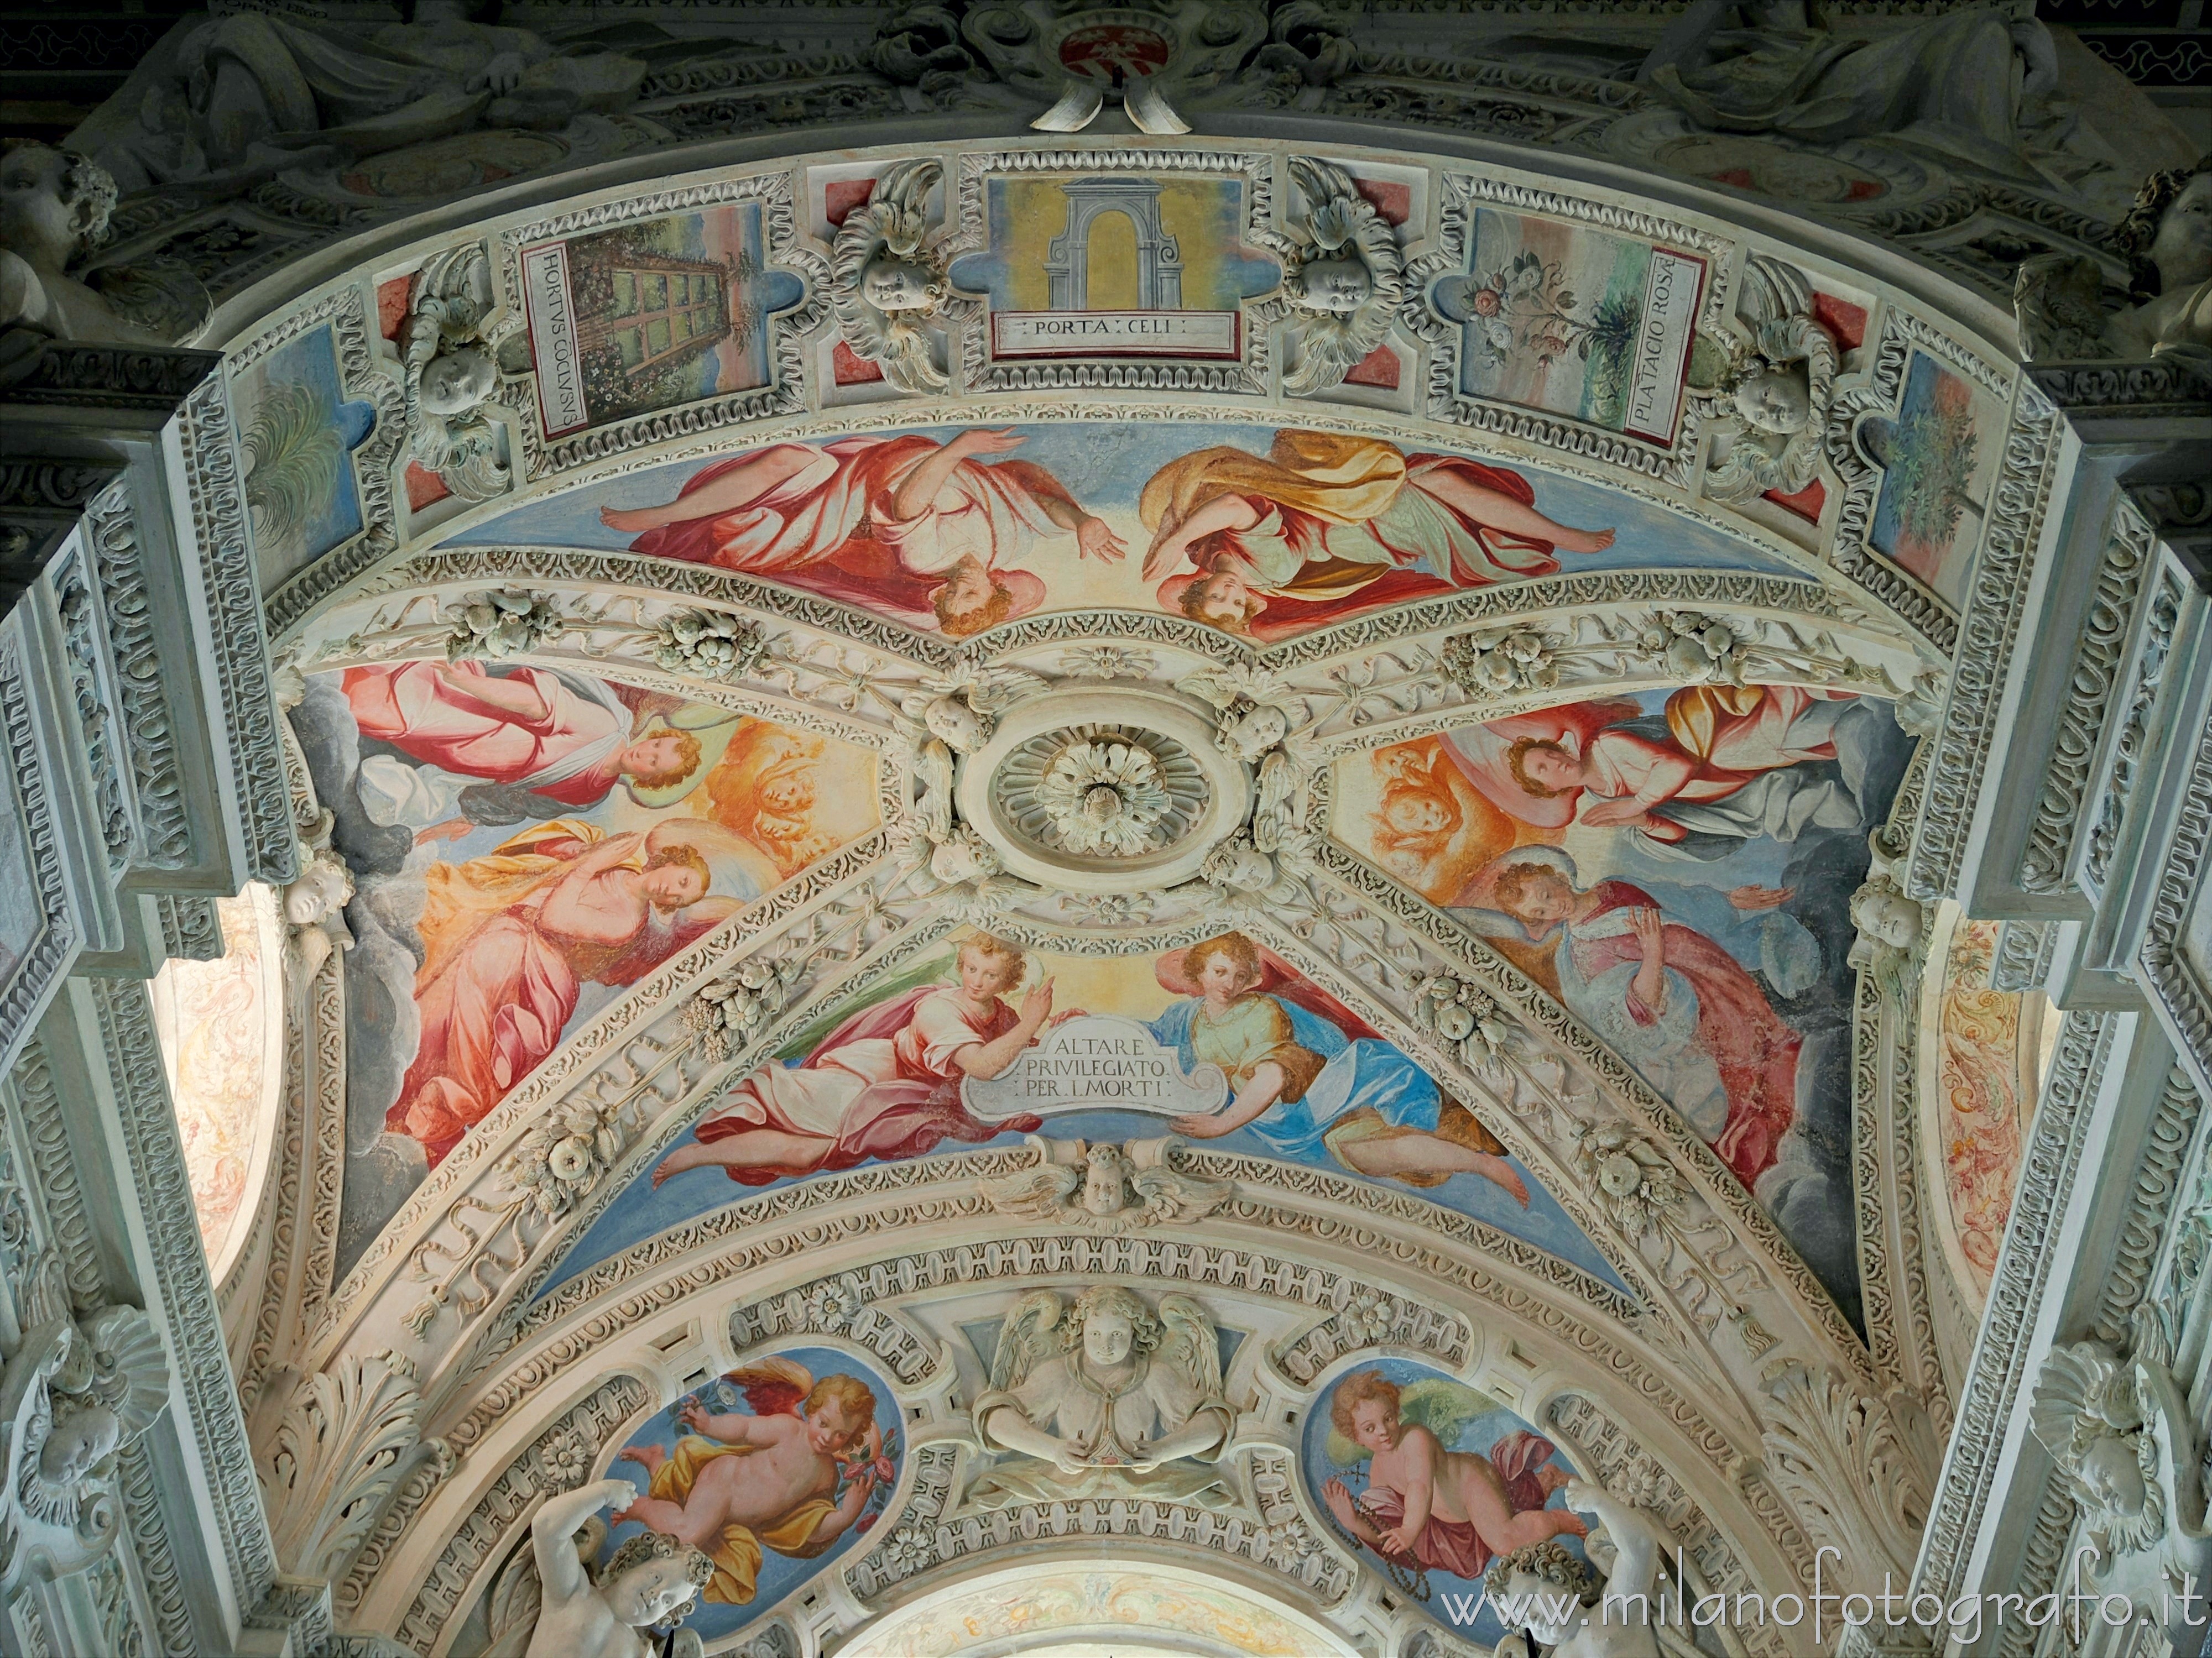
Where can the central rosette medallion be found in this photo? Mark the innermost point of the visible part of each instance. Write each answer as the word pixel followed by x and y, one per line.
pixel 1103 791
pixel 1100 790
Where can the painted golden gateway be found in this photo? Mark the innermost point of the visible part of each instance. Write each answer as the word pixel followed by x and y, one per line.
pixel 1214 829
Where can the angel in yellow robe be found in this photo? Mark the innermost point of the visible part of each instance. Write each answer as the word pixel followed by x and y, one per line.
pixel 743 1482
pixel 1322 524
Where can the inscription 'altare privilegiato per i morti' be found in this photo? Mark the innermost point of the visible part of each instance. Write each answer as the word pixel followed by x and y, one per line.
pixel 1096 1062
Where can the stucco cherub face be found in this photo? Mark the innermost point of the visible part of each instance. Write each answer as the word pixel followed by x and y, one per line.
pixel 1108 1337
pixel 895 285
pixel 322 889
pixel 81 1440
pixel 650 1592
pixel 1340 285
pixel 2183 248
pixel 1886 916
pixel 2113 1477
pixel 952 722
pixel 1259 730
pixel 454 382
pixel 1105 1186
pixel 1775 401
pixel 36 222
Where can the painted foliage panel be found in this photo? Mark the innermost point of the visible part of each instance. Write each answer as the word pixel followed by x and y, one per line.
pixel 651 315
pixel 1988 1056
pixel 1576 321
pixel 1383 1432
pixel 1266 533
pixel 1676 869
pixel 526 843
pixel 976 1041
pixel 297 432
pixel 1938 456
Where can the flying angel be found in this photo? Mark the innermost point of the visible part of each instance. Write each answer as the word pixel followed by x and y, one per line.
pixel 1428 1506
pixel 890 278
pixel 1344 275
pixel 792 1473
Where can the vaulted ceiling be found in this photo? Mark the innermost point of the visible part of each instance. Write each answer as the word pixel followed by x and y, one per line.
pixel 1323 736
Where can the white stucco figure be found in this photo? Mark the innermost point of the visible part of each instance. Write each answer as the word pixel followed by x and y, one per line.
pixel 249 92
pixel 890 278
pixel 74 1389
pixel 1614 1616
pixel 54 206
pixel 1105 1387
pixel 552 1601
pixel 2128 1445
pixel 1343 278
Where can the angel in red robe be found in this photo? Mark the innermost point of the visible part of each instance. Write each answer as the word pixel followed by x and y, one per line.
pixel 1666 998
pixel 884 1083
pixel 904 527
pixel 1427 1507
pixel 1737 762
pixel 510 939
pixel 497 748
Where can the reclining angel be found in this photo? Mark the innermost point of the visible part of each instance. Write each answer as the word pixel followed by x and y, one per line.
pixel 1101 1397
pixel 890 278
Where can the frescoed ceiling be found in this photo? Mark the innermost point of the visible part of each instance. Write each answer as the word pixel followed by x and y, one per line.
pixel 922 762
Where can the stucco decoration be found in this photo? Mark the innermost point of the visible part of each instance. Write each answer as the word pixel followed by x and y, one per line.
pixel 2166 241
pixel 890 280
pixel 76 1387
pixel 1344 277
pixel 990 861
pixel 2131 1457
pixel 1776 389
pixel 1106 1396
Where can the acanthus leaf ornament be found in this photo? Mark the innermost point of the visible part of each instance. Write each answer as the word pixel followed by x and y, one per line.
pixel 890 278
